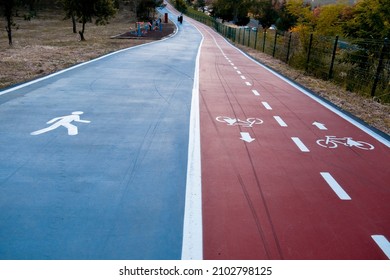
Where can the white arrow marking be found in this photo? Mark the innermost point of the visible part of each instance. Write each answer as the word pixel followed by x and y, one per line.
pixel 335 186
pixel 320 126
pixel 246 137
pixel 383 243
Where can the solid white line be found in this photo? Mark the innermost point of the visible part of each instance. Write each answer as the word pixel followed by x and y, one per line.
pixel 243 77
pixel 266 105
pixel 383 243
pixel 280 121
pixel 248 84
pixel 255 92
pixel 300 144
pixel 335 186
pixel 192 245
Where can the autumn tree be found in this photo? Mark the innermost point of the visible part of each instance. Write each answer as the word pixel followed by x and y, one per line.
pixel 370 19
pixel 329 19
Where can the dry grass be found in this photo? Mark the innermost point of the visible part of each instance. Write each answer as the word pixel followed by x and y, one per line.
pixel 368 110
pixel 47 44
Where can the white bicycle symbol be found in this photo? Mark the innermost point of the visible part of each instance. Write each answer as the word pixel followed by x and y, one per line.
pixel 332 142
pixel 249 122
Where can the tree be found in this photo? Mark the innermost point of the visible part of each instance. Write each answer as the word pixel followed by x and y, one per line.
pixel 8 7
pixel 201 4
pixel 370 19
pixel 232 10
pixel 86 10
pixel 70 7
pixel 265 12
pixel 145 7
pixel 181 5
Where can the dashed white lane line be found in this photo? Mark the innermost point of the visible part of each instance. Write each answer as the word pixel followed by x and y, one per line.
pixel 300 144
pixel 255 92
pixel 239 72
pixel 335 186
pixel 280 121
pixel 243 77
pixel 248 84
pixel 383 243
pixel 266 105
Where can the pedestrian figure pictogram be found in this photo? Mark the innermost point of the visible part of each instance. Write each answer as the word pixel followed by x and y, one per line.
pixel 64 121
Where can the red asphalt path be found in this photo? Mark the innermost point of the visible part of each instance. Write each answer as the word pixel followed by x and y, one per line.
pixel 267 198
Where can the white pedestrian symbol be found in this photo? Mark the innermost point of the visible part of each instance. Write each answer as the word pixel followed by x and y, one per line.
pixel 64 121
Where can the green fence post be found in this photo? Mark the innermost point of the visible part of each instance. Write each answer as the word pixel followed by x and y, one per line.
pixel 288 48
pixel 274 50
pixel 308 52
pixel 330 76
pixel 256 33
pixel 380 66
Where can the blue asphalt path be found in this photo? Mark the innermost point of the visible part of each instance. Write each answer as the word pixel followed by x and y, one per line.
pixel 116 189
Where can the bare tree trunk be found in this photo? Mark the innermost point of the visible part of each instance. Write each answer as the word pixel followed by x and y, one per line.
pixel 82 38
pixel 9 30
pixel 74 23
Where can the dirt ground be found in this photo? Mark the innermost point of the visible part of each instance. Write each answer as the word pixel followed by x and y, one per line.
pixel 47 44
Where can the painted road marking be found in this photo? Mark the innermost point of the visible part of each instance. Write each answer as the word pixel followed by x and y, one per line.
pixel 232 64
pixel 192 248
pixel 320 126
pixel 383 243
pixel 248 84
pixel 246 137
pixel 239 72
pixel 235 67
pixel 341 114
pixel 64 121
pixel 266 105
pixel 249 122
pixel 255 92
pixel 335 186
pixel 243 77
pixel 280 121
pixel 300 144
